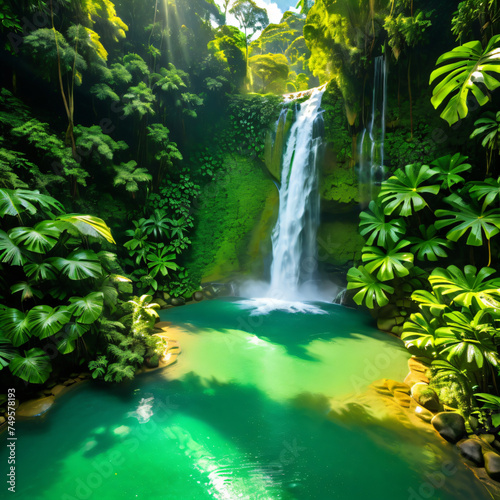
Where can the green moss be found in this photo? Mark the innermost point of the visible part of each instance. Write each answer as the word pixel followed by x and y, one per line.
pixel 230 211
pixel 339 242
pixel 341 186
pixel 336 127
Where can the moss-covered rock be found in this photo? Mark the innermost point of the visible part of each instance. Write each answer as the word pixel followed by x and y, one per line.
pixel 339 190
pixel 233 221
pixel 339 242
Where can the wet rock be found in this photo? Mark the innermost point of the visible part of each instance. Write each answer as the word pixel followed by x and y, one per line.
pixel 178 301
pixel 166 296
pixel 450 426
pixel 386 324
pixel 423 414
pixel 35 407
pixel 47 392
pixel 2 420
pixel 198 296
pixel 487 438
pixel 425 396
pixel 492 465
pixel 388 311
pixel 153 361
pixel 161 303
pixel 472 450
pixel 56 391
pixel 70 381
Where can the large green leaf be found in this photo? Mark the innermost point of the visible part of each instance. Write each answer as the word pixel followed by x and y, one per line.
pixel 468 341
pixel 488 189
pixel 419 334
pixel 79 265
pixel 467 217
pixel 390 262
pixel 40 271
pixel 16 201
pixel 448 167
pixel 15 326
pixel 467 70
pixel 34 367
pixel 67 338
pixel 45 321
pixel 403 191
pixel 37 240
pixel 432 301
pixel 87 309
pixel 380 230
pixel 28 291
pixel 84 225
pixel 371 290
pixel 10 253
pixel 466 288
pixel 7 352
pixel 161 262
pixel 430 246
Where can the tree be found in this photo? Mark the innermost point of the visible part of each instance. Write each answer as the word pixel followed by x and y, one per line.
pixel 251 18
pixel 272 70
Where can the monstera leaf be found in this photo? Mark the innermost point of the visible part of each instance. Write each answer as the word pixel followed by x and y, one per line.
pixel 466 287
pixel 15 326
pixel 38 239
pixel 374 225
pixel 17 201
pixel 448 167
pixel 466 217
pixel 430 246
pixel 488 189
pixel 10 253
pixel 34 367
pixel 84 226
pixel 371 290
pixel 468 69
pixel 7 352
pixel 403 191
pixel 87 309
pixel 79 265
pixel 419 334
pixel 390 262
pixel 44 321
pixel 467 341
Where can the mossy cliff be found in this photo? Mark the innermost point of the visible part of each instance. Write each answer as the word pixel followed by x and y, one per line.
pixel 234 218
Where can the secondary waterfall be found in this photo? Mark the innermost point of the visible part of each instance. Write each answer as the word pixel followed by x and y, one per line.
pixel 294 236
pixel 371 148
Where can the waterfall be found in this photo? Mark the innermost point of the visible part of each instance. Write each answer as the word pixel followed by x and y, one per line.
pixel 371 149
pixel 294 236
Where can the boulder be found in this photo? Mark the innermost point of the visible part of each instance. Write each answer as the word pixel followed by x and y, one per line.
pixel 472 450
pixel 198 296
pixel 2 420
pixel 35 407
pixel 70 381
pixel 487 438
pixel 423 414
pixel 386 324
pixel 177 301
pixel 425 396
pixel 450 426
pixel 492 465
pixel 56 391
pixel 161 303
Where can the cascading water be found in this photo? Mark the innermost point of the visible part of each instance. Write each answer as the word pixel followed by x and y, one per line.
pixel 371 148
pixel 294 236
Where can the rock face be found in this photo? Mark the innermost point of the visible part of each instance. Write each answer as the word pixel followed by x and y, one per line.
pixel 425 396
pixel 451 426
pixel 492 465
pixel 472 450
